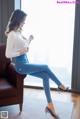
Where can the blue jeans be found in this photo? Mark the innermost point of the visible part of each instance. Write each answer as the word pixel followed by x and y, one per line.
pixel 42 71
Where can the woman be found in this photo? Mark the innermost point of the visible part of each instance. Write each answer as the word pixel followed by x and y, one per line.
pixel 17 48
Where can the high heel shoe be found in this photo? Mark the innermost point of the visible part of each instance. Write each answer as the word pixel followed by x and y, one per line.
pixel 52 113
pixel 63 88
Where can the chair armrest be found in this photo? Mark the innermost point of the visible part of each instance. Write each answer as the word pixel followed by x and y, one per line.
pixel 13 77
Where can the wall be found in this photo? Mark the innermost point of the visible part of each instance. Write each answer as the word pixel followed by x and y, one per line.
pixel 6 8
pixel 76 52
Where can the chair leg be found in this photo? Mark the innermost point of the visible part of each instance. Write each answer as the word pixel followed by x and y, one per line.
pixel 20 106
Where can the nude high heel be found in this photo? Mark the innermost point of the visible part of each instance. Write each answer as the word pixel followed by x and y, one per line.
pixel 47 110
pixel 63 88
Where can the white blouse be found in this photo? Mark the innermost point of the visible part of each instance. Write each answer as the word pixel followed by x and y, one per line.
pixel 15 42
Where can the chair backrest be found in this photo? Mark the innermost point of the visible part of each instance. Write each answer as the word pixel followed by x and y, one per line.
pixel 4 62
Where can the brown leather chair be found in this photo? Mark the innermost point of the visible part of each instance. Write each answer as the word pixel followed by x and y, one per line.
pixel 11 83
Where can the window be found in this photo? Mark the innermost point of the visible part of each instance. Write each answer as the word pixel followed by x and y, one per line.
pixel 52 25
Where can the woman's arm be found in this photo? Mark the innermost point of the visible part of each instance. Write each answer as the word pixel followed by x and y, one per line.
pixel 23 50
pixel 29 39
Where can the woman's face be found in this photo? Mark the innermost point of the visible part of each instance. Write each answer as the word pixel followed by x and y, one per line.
pixel 23 22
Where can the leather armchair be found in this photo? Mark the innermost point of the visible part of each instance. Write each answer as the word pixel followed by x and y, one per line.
pixel 11 83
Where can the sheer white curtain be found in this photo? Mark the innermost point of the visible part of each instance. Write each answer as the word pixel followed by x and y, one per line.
pixel 52 25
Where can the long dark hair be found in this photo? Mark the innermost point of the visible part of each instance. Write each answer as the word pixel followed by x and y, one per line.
pixel 15 19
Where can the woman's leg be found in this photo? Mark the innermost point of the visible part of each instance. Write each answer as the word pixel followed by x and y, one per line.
pixel 46 86
pixel 34 68
pixel 50 107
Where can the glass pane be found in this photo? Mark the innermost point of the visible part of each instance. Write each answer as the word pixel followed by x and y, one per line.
pixel 52 25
